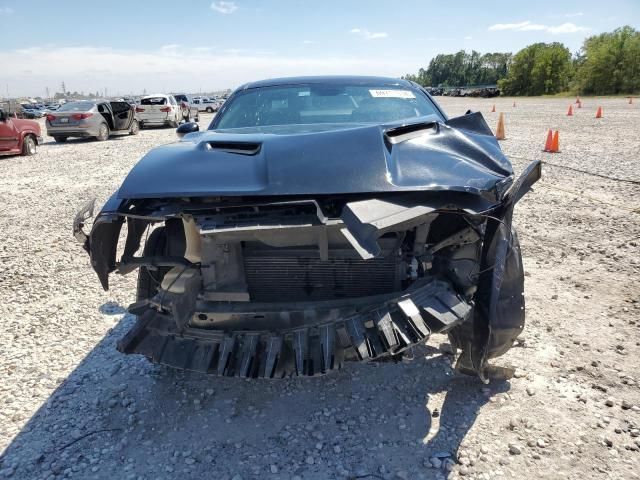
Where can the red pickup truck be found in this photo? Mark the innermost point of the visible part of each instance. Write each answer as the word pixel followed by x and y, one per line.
pixel 18 136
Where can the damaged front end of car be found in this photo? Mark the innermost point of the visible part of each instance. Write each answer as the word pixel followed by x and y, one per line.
pixel 293 274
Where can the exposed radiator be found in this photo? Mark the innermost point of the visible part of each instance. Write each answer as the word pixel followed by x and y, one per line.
pixel 298 274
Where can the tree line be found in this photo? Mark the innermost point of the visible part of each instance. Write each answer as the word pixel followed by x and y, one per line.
pixel 606 64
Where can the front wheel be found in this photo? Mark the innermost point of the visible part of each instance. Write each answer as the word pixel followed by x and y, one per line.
pixel 209 110
pixel 135 128
pixel 29 146
pixel 103 132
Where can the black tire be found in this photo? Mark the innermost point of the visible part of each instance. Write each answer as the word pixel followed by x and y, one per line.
pixel 141 125
pixel 209 110
pixel 29 146
pixel 103 133
pixel 60 139
pixel 197 119
pixel 168 241
pixel 135 128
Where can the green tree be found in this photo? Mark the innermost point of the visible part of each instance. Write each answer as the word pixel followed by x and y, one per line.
pixel 609 63
pixel 462 68
pixel 538 69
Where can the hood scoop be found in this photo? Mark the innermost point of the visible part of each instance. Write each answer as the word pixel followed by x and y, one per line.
pixel 240 148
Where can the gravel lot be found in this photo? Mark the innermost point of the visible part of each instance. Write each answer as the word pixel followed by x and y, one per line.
pixel 71 406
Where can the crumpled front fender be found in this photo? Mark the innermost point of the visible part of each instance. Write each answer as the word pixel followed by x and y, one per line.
pixel 102 242
pixel 499 316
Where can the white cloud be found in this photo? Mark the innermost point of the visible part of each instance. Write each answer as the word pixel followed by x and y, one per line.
pixel 6 10
pixel 528 26
pixel 533 27
pixel 567 28
pixel 222 6
pixel 468 37
pixel 521 26
pixel 367 35
pixel 127 71
pixel 573 15
pixel 308 42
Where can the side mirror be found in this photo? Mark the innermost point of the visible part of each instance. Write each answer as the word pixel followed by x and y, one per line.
pixel 188 127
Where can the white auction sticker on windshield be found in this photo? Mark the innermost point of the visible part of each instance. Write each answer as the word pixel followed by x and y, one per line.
pixel 392 94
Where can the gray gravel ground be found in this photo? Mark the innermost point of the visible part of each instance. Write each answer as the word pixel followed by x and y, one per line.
pixel 73 407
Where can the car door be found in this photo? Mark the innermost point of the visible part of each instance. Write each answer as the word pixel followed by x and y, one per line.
pixel 9 135
pixel 123 115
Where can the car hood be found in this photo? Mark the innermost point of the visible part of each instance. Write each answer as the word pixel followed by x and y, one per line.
pixel 425 154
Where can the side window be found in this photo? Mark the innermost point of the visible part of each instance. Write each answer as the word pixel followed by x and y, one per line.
pixel 172 100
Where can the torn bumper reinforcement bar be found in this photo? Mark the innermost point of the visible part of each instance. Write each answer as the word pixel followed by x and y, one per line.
pixel 311 347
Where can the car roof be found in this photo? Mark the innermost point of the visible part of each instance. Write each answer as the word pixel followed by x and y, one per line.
pixel 156 95
pixel 328 80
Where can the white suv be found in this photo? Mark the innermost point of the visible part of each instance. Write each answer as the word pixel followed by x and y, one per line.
pixel 159 109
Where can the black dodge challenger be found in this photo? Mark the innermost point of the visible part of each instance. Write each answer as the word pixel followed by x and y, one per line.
pixel 318 220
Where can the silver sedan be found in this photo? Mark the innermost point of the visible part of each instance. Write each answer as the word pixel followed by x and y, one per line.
pixel 99 119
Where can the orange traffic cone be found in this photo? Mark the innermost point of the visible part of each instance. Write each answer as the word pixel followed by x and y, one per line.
pixel 577 99
pixel 570 112
pixel 514 104
pixel 555 143
pixel 547 145
pixel 500 128
pixel 579 104
pixel 599 113
pixel 630 100
pixel 493 109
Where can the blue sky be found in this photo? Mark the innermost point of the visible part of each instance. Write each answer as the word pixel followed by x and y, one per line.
pixel 128 46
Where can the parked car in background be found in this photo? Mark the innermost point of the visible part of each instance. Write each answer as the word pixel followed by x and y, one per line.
pixel 207 105
pixel 31 111
pixel 159 109
pixel 27 113
pixel 92 119
pixel 189 109
pixel 18 136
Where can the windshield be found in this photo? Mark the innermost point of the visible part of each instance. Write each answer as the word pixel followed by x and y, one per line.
pixel 313 104
pixel 76 107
